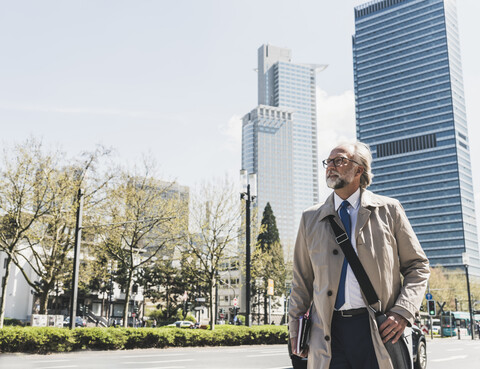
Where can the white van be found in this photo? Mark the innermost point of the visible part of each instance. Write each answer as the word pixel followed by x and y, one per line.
pixel 436 326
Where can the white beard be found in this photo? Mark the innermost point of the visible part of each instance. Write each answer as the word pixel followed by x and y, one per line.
pixel 339 181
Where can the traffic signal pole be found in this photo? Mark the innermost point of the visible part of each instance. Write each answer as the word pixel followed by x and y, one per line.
pixel 472 331
pixel 431 311
pixel 431 327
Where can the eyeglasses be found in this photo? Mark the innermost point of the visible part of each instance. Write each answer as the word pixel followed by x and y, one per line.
pixel 337 162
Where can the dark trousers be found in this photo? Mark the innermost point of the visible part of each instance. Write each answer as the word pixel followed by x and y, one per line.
pixel 352 346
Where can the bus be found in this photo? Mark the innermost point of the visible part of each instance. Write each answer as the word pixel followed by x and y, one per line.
pixel 452 321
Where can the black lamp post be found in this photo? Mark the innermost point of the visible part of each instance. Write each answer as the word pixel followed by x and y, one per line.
pixel 465 260
pixel 248 194
pixel 76 260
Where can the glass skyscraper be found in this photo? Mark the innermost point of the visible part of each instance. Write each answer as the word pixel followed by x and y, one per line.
pixel 410 108
pixel 279 138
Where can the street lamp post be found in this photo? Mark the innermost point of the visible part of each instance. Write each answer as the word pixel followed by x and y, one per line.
pixel 465 263
pixel 248 194
pixel 110 293
pixel 76 260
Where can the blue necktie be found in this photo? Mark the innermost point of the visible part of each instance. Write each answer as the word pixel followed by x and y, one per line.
pixel 345 217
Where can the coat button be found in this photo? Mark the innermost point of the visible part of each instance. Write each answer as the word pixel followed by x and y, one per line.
pixel 329 293
pixel 327 338
pixel 335 252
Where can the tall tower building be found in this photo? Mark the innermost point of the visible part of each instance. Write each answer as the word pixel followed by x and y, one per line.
pixel 410 108
pixel 279 138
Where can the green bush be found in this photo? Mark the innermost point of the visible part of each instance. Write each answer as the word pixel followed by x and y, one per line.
pixel 12 322
pixel 160 315
pixel 190 318
pixel 49 339
pixel 241 318
pixel 35 339
pixel 99 338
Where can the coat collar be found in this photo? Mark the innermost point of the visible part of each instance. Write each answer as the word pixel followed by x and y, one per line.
pixel 367 200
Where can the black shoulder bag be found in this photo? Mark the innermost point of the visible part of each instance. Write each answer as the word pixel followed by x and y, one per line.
pixel 399 352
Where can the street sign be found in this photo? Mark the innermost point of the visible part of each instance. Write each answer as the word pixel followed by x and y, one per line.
pixel 429 296
pixel 270 287
pixel 235 302
pixel 134 315
pixel 441 306
pixel 200 299
pixel 199 307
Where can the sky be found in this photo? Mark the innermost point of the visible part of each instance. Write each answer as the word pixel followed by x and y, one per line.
pixel 172 79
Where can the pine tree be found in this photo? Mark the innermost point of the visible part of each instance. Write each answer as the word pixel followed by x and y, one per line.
pixel 268 235
pixel 268 258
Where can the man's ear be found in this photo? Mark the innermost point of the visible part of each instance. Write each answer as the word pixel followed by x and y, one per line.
pixel 360 170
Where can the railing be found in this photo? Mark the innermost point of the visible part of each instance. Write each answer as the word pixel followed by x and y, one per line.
pixel 98 320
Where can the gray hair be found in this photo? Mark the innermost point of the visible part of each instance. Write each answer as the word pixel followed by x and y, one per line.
pixel 363 156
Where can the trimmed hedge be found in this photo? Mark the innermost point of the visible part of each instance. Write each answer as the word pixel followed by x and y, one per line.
pixel 48 339
pixel 10 321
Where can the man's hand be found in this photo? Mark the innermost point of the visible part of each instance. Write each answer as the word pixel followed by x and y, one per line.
pixel 393 327
pixel 293 342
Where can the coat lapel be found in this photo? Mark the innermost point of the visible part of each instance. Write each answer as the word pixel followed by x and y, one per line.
pixel 362 219
pixel 328 208
pixel 363 212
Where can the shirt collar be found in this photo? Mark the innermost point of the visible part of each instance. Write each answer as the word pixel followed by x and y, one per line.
pixel 354 199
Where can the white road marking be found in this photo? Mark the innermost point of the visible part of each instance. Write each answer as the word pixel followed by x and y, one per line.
pixel 449 358
pixel 260 355
pixel 163 367
pixel 152 355
pixel 49 361
pixel 156 362
pixel 58 367
pixel 457 349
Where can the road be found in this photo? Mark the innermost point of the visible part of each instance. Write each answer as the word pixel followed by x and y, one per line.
pixel 442 354
pixel 238 357
pixel 447 353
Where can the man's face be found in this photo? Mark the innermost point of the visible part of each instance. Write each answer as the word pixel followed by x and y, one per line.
pixel 342 175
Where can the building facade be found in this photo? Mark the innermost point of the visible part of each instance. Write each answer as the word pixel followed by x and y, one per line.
pixel 20 298
pixel 279 138
pixel 410 108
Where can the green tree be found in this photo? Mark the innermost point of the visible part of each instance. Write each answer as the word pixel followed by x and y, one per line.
pixel 25 197
pixel 163 283
pixel 450 286
pixel 143 213
pixel 268 259
pixel 50 240
pixel 211 232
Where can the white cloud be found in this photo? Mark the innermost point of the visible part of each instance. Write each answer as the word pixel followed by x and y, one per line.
pixel 336 119
pixel 232 130
pixel 336 123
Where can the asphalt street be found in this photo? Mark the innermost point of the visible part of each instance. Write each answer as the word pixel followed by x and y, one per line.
pixel 442 354
pixel 448 353
pixel 239 357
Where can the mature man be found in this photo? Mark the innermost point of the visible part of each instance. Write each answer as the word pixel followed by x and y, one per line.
pixel 344 333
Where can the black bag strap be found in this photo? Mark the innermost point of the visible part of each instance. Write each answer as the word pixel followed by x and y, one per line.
pixel 344 242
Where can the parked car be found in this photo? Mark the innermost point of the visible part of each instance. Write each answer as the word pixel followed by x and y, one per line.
pixel 79 322
pixel 419 351
pixel 419 348
pixel 436 326
pixel 182 324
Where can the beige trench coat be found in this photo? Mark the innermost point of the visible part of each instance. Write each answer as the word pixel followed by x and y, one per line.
pixel 387 248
